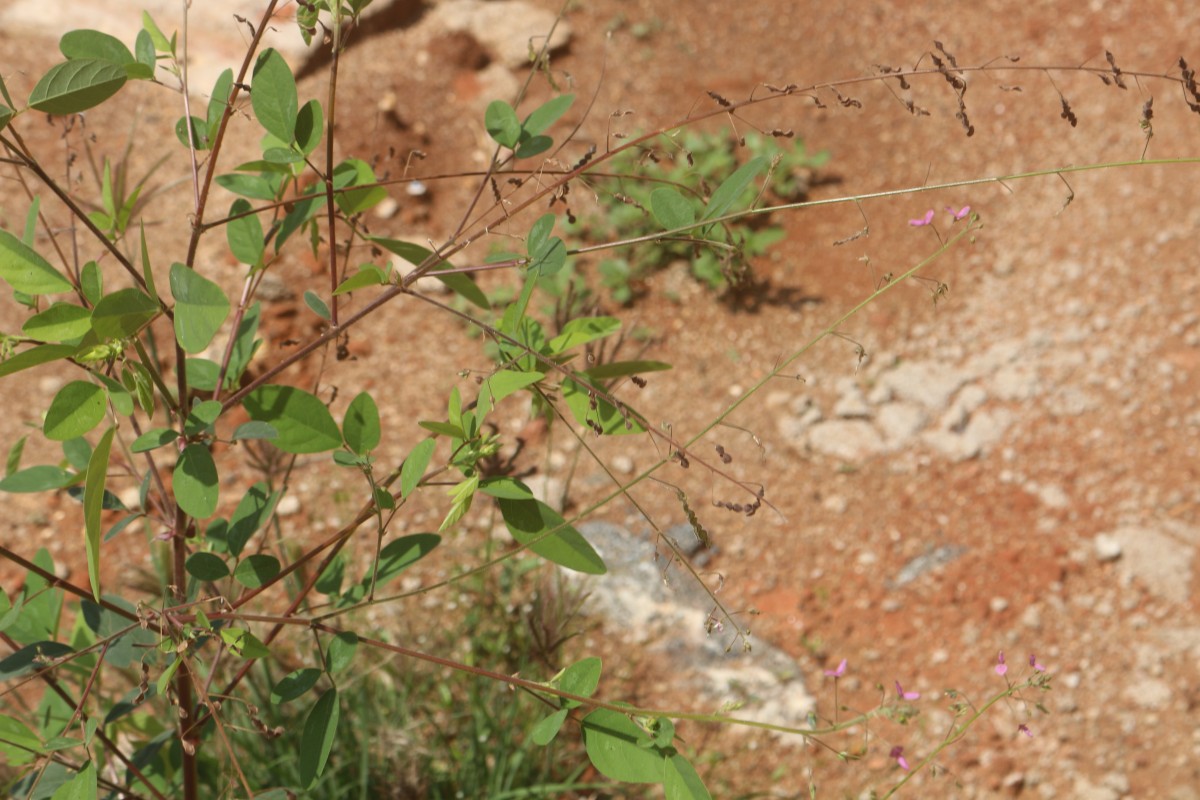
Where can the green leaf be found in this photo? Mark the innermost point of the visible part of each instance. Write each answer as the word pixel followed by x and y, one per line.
pixel 143 48
pixel 582 330
pixel 681 781
pixel 310 124
pixel 320 730
pixel 31 657
pixel 461 284
pixel 302 211
pixel 367 275
pixel 294 684
pixel 341 650
pixel 529 519
pixel 273 96
pixel 443 428
pixel 165 678
pixel 610 419
pixel 207 566
pixel 202 373
pixel 253 511
pixel 547 253
pixel 83 786
pixel 94 45
pixel 255 187
pixel 42 354
pixel 122 313
pixel 160 42
pixel 244 345
pixel 244 643
pixel 245 234
pixel 581 678
pixel 620 750
pixel 199 136
pixel 118 395
pixel 361 424
pixel 196 484
pixel 76 409
pixel 61 322
pixel 414 466
pixel 6 115
pixel 78 453
pixel 26 271
pixel 76 86
pixel 36 479
pixel 91 282
pixel 304 423
pixel 200 308
pixel 671 208
pixel 218 102
pixel 546 729
pixel 254 430
pixel 12 462
pixel 202 417
pixel 531 146
pixel 503 486
pixel 617 369
pixel 355 172
pixel 318 306
pixel 93 504
pixel 395 557
pixel 256 570
pixel 502 123
pixel 19 744
pixel 507 382
pixel 547 114
pixel 732 187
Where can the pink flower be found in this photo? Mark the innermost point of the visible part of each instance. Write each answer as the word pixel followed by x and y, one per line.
pixel 925 220
pixel 960 213
pixel 906 695
pixel 837 673
pixel 898 754
pixel 1033 662
pixel 1001 667
pixel 1023 728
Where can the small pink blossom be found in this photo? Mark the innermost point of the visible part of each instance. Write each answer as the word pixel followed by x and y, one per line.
pixel 898 754
pixel 1033 662
pixel 925 220
pixel 1001 667
pixel 906 695
pixel 1023 728
pixel 837 673
pixel 960 213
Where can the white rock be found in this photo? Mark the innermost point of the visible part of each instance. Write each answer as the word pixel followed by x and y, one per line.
pixel 925 382
pixel 1161 561
pixel 899 422
pixel 507 28
pixel 849 440
pixel 851 404
pixel 288 505
pixel 1106 547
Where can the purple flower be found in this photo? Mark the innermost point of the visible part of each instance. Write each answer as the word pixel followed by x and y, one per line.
pixel 898 754
pixel 1001 667
pixel 960 213
pixel 925 220
pixel 906 695
pixel 1033 662
pixel 837 673
pixel 1023 728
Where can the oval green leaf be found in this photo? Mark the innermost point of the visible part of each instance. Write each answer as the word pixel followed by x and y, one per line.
pixel 681 781
pixel 671 209
pixel 414 466
pixel 256 570
pixel 302 420
pixel 529 519
pixel 43 354
pixel 26 271
pixel 122 313
pixel 320 730
pixel 93 505
pixel 732 187
pixel 294 685
pixel 200 308
pixel 207 566
pixel 94 45
pixel 361 425
pixel 341 650
pixel 76 409
pixel 195 483
pixel 244 234
pixel 546 729
pixel 273 96
pixel 502 123
pixel 77 86
pixel 36 479
pixel 547 114
pixel 355 172
pixel 620 750
pixel 61 322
